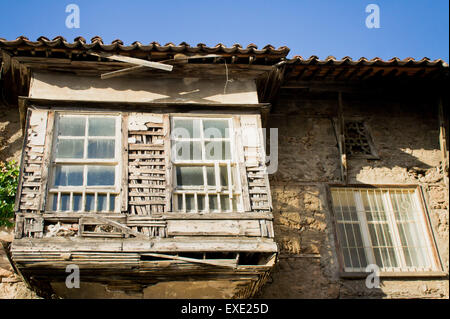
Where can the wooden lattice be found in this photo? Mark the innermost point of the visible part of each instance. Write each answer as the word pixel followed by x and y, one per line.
pixel 147 159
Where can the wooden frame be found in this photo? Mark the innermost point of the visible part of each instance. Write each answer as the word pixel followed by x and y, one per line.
pixel 234 189
pixel 424 223
pixel 96 190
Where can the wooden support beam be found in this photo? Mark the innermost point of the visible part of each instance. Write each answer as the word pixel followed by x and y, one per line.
pixel 192 260
pixel 341 138
pixel 126 59
pixel 443 141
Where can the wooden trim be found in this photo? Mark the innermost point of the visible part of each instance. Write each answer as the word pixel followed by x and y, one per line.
pixel 168 163
pixel 263 159
pixel 124 164
pixel 341 138
pixel 429 228
pixel 127 59
pixel 241 164
pixel 139 106
pixel 48 146
pixel 22 161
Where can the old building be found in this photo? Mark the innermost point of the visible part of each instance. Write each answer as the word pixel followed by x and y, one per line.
pixel 145 166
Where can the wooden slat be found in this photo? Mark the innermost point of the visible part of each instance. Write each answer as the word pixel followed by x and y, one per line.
pixel 124 182
pixel 46 160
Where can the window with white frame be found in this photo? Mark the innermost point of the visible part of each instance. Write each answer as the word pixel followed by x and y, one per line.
pixel 386 227
pixel 204 165
pixel 85 163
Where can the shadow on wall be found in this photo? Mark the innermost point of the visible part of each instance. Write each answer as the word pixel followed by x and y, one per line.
pixel 10 134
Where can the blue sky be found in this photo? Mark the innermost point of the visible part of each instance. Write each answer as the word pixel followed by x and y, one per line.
pixel 415 28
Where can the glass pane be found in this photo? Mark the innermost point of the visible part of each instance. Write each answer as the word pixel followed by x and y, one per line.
pixel 201 202
pixel 101 148
pixel 217 150
pixel 189 175
pixel 100 175
pixel 224 176
pixel 68 175
pixel 188 150
pixel 180 202
pixel 69 148
pixel 344 205
pixel 101 202
pixel 234 202
pixel 186 128
pixel 190 202
pixel 77 198
pixel 216 128
pixel 225 202
pixel 71 126
pixel 90 202
pixel 112 202
pixel 102 126
pixel 210 176
pixel 65 202
pixel 54 202
pixel 213 203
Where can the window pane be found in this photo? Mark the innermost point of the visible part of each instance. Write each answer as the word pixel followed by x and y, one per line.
pixel 217 150
pixel 69 148
pixel 216 128
pixel 68 175
pixel 77 198
pixel 213 203
pixel 90 202
pixel 188 150
pixel 190 202
pixel 54 202
pixel 201 202
pixel 112 202
pixel 65 202
pixel 225 202
pixel 344 205
pixel 100 175
pixel 101 148
pixel 352 245
pixel 210 176
pixel 71 126
pixel 102 126
pixel 101 203
pixel 224 176
pixel 189 175
pixel 186 128
pixel 180 202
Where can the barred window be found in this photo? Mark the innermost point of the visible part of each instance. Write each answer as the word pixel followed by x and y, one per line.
pixel 358 141
pixel 85 163
pixel 205 165
pixel 386 227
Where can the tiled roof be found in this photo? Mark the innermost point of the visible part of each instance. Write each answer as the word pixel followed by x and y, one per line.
pixel 118 46
pixel 331 60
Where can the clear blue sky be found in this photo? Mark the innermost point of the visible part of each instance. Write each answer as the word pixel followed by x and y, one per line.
pixel 415 28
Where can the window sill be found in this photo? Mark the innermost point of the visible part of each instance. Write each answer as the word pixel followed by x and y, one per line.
pixel 417 274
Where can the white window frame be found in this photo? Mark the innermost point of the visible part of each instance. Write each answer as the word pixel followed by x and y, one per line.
pixel 423 225
pixel 235 189
pixel 87 190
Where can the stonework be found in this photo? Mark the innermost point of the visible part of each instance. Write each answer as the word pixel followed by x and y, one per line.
pixel 405 132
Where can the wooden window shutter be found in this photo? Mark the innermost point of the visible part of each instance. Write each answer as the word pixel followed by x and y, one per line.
pixel 32 189
pixel 148 144
pixel 254 177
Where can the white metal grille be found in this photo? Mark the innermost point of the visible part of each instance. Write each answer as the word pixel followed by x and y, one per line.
pixel 386 227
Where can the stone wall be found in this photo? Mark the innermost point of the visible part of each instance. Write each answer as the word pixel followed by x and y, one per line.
pixel 406 136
